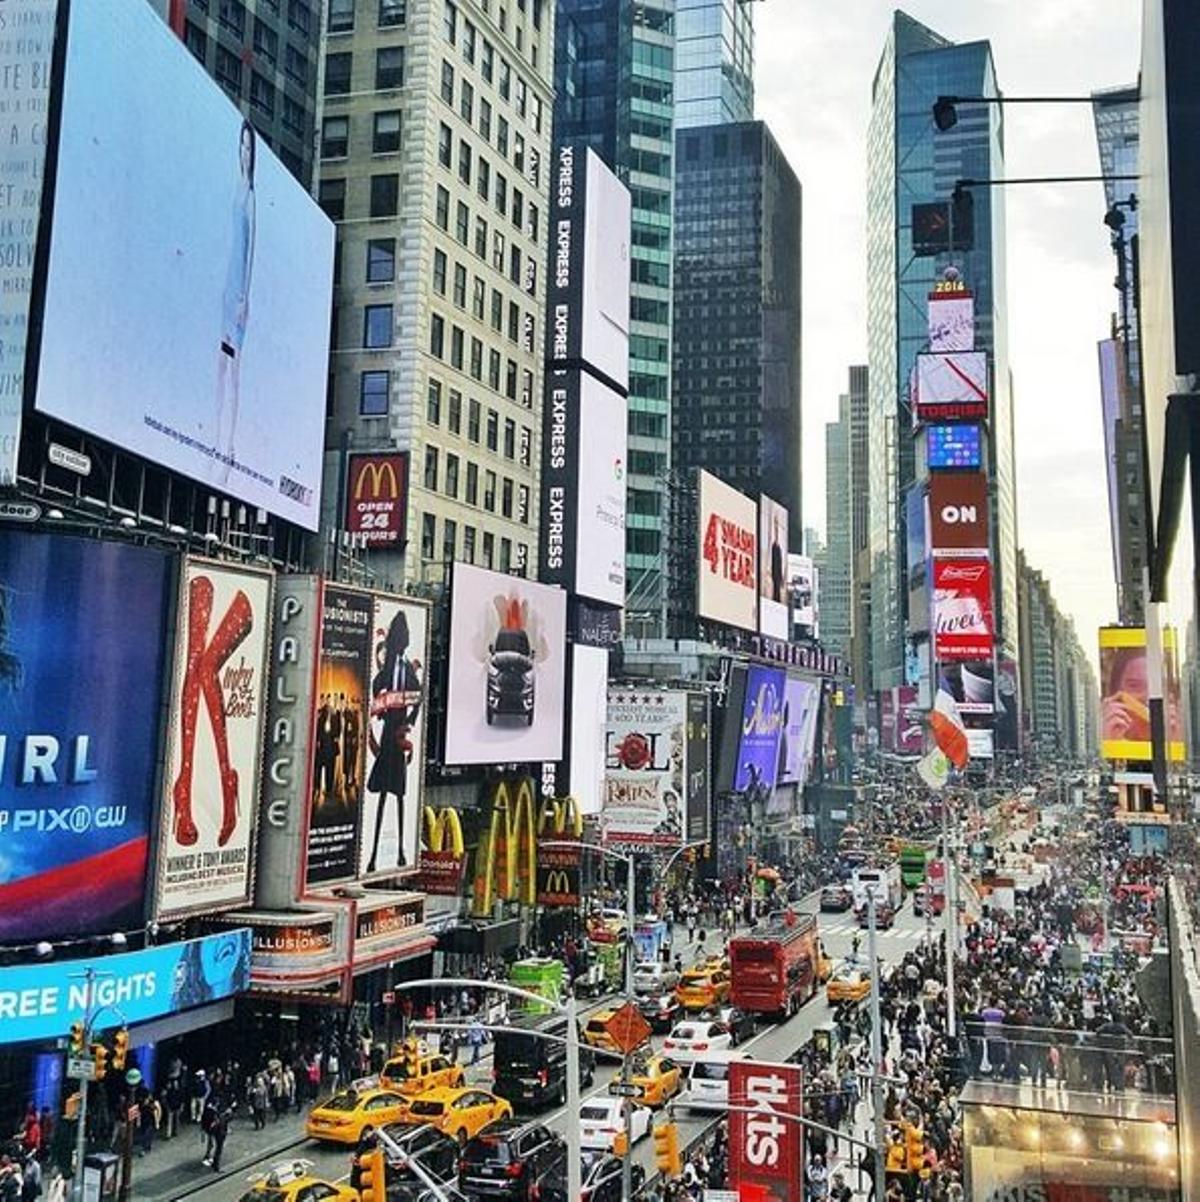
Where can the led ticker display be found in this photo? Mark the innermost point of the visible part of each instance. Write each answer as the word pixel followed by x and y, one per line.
pixel 955 446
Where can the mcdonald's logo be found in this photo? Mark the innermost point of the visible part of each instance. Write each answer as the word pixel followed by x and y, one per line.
pixel 377 497
pixel 558 887
pixel 382 474
pixel 561 817
pixel 441 831
pixel 506 862
pixel 442 852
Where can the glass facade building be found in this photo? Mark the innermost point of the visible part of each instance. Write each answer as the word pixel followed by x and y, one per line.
pixel 714 62
pixel 614 84
pixel 911 162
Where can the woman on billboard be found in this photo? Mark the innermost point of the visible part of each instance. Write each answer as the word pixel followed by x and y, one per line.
pixel 236 303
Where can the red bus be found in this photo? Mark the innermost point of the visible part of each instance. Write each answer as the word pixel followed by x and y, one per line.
pixel 775 971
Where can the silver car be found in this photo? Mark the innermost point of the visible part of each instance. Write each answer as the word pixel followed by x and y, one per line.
pixel 653 977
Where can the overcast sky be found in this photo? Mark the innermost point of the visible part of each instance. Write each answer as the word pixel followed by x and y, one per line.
pixel 815 62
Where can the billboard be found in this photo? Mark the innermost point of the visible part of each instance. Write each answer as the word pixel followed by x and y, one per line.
pixel 1007 701
pixel 958 513
pixel 774 618
pixel 24 90
pixel 205 245
pixel 910 721
pixel 82 645
pixel 377 498
pixel 766 1151
pixel 757 765
pixel 980 743
pixel 951 321
pixel 801 705
pixel 916 533
pixel 505 690
pixel 646 768
pixel 41 1001
pixel 956 446
pixel 1125 691
pixel 952 385
pixel 971 683
pixel 214 739
pixel 803 589
pixel 728 569
pixel 962 609
pixel 589 723
pixel 699 791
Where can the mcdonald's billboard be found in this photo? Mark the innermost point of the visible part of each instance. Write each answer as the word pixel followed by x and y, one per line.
pixel 377 498
pixel 560 821
pixel 442 853
pixel 506 858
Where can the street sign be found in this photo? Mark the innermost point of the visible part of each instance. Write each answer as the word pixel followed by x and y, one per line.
pixel 81 1070
pixel 627 1028
pixel 624 1089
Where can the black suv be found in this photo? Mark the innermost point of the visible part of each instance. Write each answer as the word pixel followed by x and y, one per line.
pixel 531 1071
pixel 437 1154
pixel 602 1179
pixel 510 677
pixel 512 1160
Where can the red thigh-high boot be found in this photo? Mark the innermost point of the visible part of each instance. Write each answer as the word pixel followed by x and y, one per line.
pixel 200 598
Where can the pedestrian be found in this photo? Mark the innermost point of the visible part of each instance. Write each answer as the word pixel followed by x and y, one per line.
pixel 259 1097
pixel 208 1122
pixel 10 1181
pixel 475 1037
pixel 220 1130
pixel 333 1068
pixel 149 1117
pixel 31 1179
pixel 200 1092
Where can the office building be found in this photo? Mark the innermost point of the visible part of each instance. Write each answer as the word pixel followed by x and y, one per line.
pixel 911 161
pixel 613 81
pixel 714 62
pixel 264 53
pixel 435 154
pixel 736 360
pixel 837 593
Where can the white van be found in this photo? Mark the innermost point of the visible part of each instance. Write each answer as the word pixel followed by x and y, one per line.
pixel 708 1081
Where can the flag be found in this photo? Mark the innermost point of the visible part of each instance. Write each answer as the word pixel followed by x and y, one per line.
pixel 933 768
pixel 948 730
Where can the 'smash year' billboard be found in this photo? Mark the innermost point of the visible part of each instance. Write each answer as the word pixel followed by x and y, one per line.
pixel 728 543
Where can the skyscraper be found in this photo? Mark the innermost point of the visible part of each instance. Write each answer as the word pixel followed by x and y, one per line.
pixel 736 361
pixel 910 161
pixel 837 606
pixel 614 88
pixel 860 568
pixel 714 62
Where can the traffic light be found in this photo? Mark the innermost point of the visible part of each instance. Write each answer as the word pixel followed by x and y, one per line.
pixel 120 1050
pixel 620 1144
pixel 100 1060
pixel 914 1147
pixel 371 1169
pixel 78 1037
pixel 71 1107
pixel 666 1150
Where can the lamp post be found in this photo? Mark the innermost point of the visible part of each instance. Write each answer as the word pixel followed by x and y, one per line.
pixel 945 108
pixel 876 1041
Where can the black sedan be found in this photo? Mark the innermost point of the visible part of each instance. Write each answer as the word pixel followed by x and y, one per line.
pixel 836 899
pixel 660 1010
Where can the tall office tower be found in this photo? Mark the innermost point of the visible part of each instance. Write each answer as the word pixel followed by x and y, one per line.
pixel 860 571
pixel 264 53
pixel 911 161
pixel 837 600
pixel 613 80
pixel 435 163
pixel 735 405
pixel 1116 116
pixel 714 62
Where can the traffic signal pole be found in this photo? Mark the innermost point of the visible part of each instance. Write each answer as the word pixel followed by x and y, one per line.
pixel 626 1102
pixel 876 1042
pixel 89 975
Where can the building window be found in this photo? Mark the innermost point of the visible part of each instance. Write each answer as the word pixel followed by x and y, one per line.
pixel 196 40
pixel 377 326
pixel 502 136
pixel 450 22
pixel 524 446
pixel 341 16
pixel 473 412
pixel 497 250
pixel 233 17
pixel 489 544
pixel 439 272
pixel 389 67
pixel 454 420
pixel 505 80
pixel 514 264
pixel 481 233
pixel 385 138
pixel 437 336
pixel 494 370
pixel 441 210
pixel 476 359
pixel 448 84
pixel 392 12
pixel 505 551
pixel 452 476
pixel 522 98
pixel 262 94
pixel 337 74
pixel 445 144
pixel 483 177
pixel 335 137
pixel 385 195
pixel 464 163
pixel 433 402
pixel 449 539
pixel 456 347
pixel 501 194
pixel 296 66
pixel 510 437
pixel 428 536
pixel 523 504
pixel 485 121
pixel 466 102
pixel 293 118
pixel 468 44
pixel 373 393
pixel 532 228
pixel 471 492
pixel 510 379
pixel 497 313
pixel 229 70
pixel 527 393
pixel 331 196
pixel 489 491
pixel 462 223
pixel 300 17
pixel 518 208
pixel 487 60
pixel 493 430
pixel 537 114
pixel 266 41
pixel 478 297
pixel 506 497
pixel 460 285
pixel 468 551
pixel 431 468
pixel 519 153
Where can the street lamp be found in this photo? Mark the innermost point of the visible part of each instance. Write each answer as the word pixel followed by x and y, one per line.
pixel 945 108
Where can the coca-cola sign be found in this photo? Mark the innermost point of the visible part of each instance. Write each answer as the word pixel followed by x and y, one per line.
pixel 766 1145
pixel 962 609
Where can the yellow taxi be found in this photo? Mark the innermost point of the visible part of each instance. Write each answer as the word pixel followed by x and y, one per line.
pixel 595 1031
pixel 344 1118
pixel 413 1073
pixel 458 1113
pixel 292 1182
pixel 701 987
pixel 848 985
pixel 658 1078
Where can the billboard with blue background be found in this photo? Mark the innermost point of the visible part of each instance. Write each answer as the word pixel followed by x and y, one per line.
pixel 41 1001
pixel 762 724
pixel 82 650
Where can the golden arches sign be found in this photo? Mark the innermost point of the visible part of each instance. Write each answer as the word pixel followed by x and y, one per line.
pixel 442 830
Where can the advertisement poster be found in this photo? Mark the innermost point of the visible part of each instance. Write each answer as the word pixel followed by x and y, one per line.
pixel 951 322
pixel 82 644
pixel 1125 691
pixel 887 720
pixel 26 42
pixel 41 1001
pixel 910 721
pixel 377 498
pixel 773 593
pixel 956 446
pixel 206 245
pixel 762 727
pixel 958 513
pixel 803 586
pixel 600 493
pixel 801 705
pixel 952 386
pixel 214 739
pixel 1008 716
pixel 645 784
pixel 699 791
pixel 395 742
pixel 505 693
pixel 589 722
pixel 728 569
pixel 972 685
pixel 962 609
pixel 766 1151
pixel 338 749
pixel 916 534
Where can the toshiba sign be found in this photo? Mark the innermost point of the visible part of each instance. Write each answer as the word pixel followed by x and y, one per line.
pixel 728 567
pixel 766 1144
pixel 958 513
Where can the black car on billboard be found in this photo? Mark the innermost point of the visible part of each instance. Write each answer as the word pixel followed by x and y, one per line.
pixel 510 677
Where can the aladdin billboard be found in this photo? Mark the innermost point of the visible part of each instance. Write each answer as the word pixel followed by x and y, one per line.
pixel 763 710
pixel 728 541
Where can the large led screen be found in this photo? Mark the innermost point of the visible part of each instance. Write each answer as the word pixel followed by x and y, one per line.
pixel 773 600
pixel 504 699
pixel 954 446
pixel 728 567
pixel 952 385
pixel 187 288
pixel 1125 693
pixel 82 643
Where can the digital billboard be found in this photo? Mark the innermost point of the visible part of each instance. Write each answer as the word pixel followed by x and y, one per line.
pixel 910 721
pixel 916 534
pixel 774 604
pixel 803 586
pixel 202 246
pixel 1125 693
pixel 696 749
pixel 214 739
pixel 757 767
pixel 728 568
pixel 971 682
pixel 82 647
pixel 958 514
pixel 951 321
pixel 589 721
pixel 377 498
pixel 963 625
pixel 505 688
pixel 952 385
pixel 956 446
pixel 801 706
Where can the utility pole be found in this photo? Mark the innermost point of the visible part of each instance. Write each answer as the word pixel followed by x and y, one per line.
pixel 876 1042
pixel 89 975
pixel 950 853
pixel 627 1102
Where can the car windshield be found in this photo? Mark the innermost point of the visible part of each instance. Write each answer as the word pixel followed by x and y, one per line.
pixel 427 1108
pixel 397 1070
pixel 596 1024
pixel 513 641
pixel 516 1052
pixel 686 1031
pixel 487 1150
pixel 695 978
pixel 595 1114
pixel 342 1101
pixel 709 1071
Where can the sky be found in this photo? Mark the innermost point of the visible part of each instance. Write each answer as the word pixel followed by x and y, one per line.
pixel 815 64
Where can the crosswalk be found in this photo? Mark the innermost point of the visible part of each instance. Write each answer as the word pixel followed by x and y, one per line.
pixel 848 926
